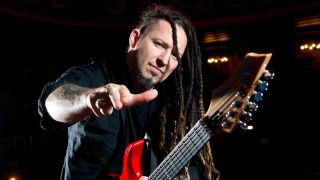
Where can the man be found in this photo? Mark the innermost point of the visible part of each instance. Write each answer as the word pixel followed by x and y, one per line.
pixel 106 107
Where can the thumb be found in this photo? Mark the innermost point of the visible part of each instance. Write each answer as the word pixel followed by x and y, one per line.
pixel 136 99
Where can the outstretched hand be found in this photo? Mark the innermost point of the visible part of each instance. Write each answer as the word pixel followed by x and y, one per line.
pixel 103 100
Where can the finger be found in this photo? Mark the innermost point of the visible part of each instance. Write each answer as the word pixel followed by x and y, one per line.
pixel 99 103
pixel 107 110
pixel 105 106
pixel 96 111
pixel 93 104
pixel 102 107
pixel 115 93
pixel 136 99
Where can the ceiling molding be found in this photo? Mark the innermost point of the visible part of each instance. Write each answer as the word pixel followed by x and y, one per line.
pixel 118 14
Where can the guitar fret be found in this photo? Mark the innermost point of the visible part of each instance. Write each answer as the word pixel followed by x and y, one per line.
pixel 168 167
pixel 188 146
pixel 182 154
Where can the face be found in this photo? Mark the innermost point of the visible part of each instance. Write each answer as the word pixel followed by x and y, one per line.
pixel 154 57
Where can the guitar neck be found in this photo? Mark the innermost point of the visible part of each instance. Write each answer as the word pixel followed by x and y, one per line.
pixel 194 140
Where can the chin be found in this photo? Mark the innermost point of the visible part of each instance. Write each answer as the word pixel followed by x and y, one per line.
pixel 145 83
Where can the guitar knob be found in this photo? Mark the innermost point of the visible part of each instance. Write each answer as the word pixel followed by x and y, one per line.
pixel 257 96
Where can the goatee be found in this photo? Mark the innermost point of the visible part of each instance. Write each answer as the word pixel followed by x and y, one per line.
pixel 144 83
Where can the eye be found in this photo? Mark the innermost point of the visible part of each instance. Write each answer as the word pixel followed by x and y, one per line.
pixel 174 54
pixel 157 43
pixel 174 57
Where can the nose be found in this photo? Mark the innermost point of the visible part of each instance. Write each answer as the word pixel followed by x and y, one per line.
pixel 164 58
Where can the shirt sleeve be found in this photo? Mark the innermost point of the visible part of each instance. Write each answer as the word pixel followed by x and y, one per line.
pixel 79 75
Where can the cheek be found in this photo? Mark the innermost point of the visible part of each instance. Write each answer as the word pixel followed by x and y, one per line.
pixel 146 53
pixel 141 57
pixel 172 67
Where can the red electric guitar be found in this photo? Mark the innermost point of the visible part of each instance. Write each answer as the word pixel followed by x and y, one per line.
pixel 229 102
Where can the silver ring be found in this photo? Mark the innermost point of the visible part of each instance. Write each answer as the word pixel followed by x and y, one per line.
pixel 100 103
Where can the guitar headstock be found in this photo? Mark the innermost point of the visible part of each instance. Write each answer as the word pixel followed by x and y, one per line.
pixel 237 97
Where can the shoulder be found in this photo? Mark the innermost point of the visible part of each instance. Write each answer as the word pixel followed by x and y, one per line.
pixel 87 75
pixel 93 67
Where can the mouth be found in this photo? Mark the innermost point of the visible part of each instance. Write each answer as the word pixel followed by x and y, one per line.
pixel 155 70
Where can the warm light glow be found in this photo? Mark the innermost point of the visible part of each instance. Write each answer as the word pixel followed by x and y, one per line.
pixel 217 60
pixel 311 46
pixel 13 178
pixel 211 37
pixel 249 127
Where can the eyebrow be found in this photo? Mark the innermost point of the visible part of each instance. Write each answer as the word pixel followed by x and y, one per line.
pixel 174 50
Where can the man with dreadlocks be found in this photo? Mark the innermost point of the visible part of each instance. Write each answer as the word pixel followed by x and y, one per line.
pixel 107 104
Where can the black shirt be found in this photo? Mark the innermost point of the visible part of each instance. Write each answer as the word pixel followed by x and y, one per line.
pixel 96 144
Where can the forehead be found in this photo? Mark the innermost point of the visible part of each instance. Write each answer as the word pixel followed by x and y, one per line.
pixel 160 25
pixel 162 29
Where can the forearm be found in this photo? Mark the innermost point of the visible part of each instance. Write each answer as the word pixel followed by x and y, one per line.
pixel 70 103
pixel 67 103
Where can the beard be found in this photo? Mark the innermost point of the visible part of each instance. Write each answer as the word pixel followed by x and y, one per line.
pixel 143 82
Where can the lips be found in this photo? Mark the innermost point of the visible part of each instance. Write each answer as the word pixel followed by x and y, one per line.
pixel 155 71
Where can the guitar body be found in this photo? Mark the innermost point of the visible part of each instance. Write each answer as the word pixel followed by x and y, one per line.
pixel 132 162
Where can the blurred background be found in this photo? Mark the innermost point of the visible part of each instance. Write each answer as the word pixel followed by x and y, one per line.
pixel 41 39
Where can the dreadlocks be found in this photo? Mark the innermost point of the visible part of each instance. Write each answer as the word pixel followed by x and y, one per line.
pixel 185 96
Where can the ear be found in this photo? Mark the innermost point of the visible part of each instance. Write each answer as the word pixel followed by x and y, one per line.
pixel 133 38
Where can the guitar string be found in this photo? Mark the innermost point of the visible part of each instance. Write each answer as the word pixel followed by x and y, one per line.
pixel 180 155
pixel 177 155
pixel 199 131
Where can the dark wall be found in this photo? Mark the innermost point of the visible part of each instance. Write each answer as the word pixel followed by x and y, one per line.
pixel 283 144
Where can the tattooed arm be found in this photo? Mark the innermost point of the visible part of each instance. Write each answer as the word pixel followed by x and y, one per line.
pixel 67 103
pixel 71 103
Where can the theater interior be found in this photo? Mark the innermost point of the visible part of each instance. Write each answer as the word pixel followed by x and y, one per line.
pixel 41 39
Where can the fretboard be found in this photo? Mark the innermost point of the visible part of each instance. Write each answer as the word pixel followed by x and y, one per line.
pixel 180 156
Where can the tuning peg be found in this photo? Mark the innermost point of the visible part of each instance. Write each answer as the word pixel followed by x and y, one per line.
pixel 226 124
pixel 257 96
pixel 263 85
pixel 230 114
pixel 235 103
pixel 243 125
pixel 247 116
pixel 252 106
pixel 268 74
pixel 240 94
